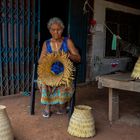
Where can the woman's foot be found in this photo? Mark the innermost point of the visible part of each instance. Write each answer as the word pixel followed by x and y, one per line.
pixel 61 110
pixel 46 114
pixel 46 111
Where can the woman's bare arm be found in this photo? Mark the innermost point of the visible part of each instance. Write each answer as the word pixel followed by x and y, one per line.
pixel 43 52
pixel 74 54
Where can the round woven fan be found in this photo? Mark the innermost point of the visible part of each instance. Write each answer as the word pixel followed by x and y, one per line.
pixel 56 70
pixel 136 70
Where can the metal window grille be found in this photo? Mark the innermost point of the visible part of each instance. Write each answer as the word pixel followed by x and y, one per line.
pixel 19 28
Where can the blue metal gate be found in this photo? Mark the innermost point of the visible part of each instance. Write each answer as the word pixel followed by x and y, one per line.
pixel 19 29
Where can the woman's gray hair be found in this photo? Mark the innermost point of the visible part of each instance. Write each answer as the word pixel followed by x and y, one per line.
pixel 55 20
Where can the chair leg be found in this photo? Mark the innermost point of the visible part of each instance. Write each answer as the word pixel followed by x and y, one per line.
pixel 32 102
pixel 72 104
pixel 32 106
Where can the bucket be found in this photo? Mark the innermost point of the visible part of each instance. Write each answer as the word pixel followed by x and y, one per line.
pixel 5 125
pixel 82 123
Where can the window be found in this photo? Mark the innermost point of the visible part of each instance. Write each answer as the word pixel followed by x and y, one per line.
pixel 126 26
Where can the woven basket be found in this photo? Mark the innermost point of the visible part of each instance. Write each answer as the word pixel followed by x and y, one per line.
pixel 81 123
pixel 136 70
pixel 5 125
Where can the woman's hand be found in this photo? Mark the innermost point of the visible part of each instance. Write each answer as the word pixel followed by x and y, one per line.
pixel 75 58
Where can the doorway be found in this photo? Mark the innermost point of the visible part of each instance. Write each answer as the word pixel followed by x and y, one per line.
pixel 71 13
pixel 58 9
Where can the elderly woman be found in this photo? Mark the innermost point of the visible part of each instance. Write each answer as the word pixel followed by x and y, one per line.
pixel 61 94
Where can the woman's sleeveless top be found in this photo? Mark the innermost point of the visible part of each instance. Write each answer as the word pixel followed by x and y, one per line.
pixel 63 47
pixel 57 67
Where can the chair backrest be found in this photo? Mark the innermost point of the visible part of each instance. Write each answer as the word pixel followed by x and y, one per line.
pixel 34 81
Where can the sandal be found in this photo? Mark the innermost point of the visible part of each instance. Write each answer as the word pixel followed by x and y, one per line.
pixel 60 112
pixel 46 114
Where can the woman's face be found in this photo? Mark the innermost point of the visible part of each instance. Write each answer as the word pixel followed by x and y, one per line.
pixel 56 31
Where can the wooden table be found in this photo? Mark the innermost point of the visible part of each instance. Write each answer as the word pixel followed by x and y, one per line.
pixel 121 81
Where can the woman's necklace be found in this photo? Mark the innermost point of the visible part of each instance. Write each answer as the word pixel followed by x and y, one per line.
pixel 56 45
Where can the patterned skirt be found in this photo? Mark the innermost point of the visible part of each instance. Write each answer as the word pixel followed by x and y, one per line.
pixel 55 95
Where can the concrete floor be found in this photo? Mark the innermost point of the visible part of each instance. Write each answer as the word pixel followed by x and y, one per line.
pixel 27 127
